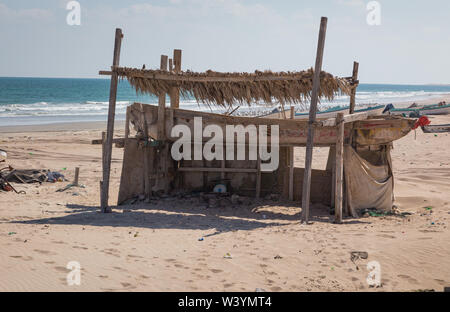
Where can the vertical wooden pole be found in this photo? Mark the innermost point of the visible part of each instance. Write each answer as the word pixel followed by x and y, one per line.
pixel 291 164
pixel 110 126
pixel 164 153
pixel 170 65
pixel 312 119
pixel 175 92
pixel 339 167
pixel 258 177
pixel 162 105
pixel 77 174
pixel 146 172
pixel 353 94
pixel 127 122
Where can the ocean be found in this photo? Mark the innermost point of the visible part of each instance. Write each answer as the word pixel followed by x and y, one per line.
pixel 32 101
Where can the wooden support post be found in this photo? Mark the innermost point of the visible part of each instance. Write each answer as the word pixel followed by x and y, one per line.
pixel 164 153
pixel 170 65
pixel 162 105
pixel 291 164
pixel 339 167
pixel 175 92
pixel 353 94
pixel 258 177
pixel 127 122
pixel 103 147
pixel 110 126
pixel 312 119
pixel 146 172
pixel 77 174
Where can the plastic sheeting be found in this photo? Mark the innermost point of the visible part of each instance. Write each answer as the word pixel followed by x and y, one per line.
pixel 369 180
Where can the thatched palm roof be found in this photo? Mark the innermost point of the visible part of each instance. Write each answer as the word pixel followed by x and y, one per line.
pixel 227 89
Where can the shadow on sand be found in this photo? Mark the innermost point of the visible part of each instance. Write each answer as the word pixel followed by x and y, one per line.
pixel 177 214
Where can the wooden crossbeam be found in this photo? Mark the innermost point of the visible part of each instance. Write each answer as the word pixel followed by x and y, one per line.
pixel 347 118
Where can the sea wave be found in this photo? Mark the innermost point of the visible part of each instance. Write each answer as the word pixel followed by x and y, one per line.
pixel 100 108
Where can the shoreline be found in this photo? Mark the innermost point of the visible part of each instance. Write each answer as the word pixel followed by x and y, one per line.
pixel 99 125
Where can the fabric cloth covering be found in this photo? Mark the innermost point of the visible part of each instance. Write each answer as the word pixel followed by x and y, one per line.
pixel 369 180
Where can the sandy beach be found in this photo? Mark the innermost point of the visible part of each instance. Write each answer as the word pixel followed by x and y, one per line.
pixel 179 245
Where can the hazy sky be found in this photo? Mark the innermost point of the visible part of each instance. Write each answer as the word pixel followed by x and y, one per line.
pixel 410 46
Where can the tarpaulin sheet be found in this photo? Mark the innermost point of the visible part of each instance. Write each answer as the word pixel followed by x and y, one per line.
pixel 369 180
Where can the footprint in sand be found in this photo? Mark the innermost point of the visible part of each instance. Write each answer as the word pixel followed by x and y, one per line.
pixel 27 258
pixel 44 252
pixel 386 236
pixel 216 271
pixel 78 247
pixel 61 269
pixel 408 278
pixel 275 288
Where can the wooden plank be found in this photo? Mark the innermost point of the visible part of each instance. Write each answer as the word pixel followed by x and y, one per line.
pixel 110 126
pixel 162 104
pixel 331 122
pixel 339 169
pixel 312 120
pixel 100 141
pixel 227 170
pixel 175 92
pixel 353 93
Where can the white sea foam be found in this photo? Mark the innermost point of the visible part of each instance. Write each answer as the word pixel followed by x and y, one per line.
pixel 99 109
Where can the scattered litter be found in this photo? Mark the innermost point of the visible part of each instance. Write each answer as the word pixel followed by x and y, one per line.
pixel 428 208
pixel 228 256
pixel 136 234
pixel 260 290
pixel 12 233
pixel 69 186
pixel 277 257
pixel 201 239
pixel 54 176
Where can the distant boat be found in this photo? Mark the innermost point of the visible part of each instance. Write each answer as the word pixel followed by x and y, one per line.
pixel 435 109
pixel 436 129
pixel 332 112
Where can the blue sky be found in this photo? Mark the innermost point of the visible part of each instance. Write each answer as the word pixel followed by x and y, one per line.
pixel 410 46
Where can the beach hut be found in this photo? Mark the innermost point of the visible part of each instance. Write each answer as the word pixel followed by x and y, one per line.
pixel 359 169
